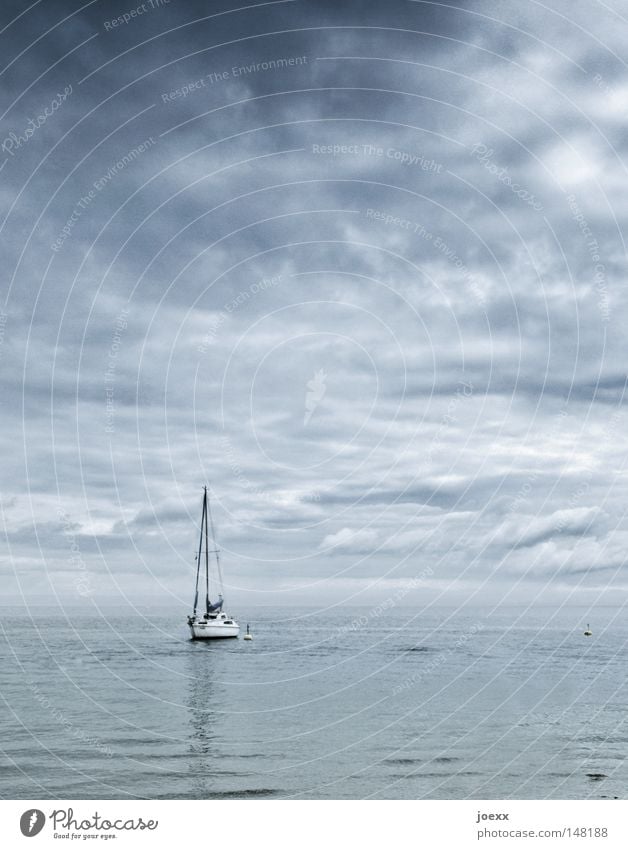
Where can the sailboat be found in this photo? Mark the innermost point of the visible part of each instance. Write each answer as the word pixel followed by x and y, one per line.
pixel 213 624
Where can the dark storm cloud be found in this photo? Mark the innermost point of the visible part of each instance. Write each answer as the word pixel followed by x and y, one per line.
pixel 358 266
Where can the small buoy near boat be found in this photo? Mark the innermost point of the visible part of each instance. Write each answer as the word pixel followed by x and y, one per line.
pixel 588 632
pixel 248 635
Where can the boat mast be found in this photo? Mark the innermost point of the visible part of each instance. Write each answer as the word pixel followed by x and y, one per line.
pixel 216 550
pixel 206 553
pixel 198 562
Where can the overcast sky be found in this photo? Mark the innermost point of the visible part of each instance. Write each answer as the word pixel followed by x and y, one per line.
pixel 357 266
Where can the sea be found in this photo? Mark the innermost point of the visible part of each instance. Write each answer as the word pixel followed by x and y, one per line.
pixel 347 703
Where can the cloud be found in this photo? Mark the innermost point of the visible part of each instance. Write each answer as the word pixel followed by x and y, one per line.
pixel 387 186
pixel 528 531
pixel 347 540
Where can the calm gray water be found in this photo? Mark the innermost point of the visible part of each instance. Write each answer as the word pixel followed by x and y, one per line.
pixel 346 704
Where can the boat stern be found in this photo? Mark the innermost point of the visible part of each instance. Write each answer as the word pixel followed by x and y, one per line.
pixel 213 627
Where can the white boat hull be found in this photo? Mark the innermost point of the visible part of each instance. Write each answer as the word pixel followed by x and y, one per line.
pixel 213 630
